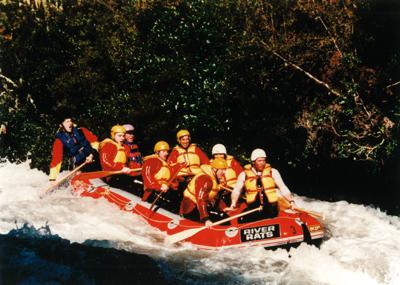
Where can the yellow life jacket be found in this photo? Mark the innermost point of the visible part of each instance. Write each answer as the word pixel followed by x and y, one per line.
pixel 121 155
pixel 230 174
pixel 190 191
pixel 268 184
pixel 164 174
pixel 190 156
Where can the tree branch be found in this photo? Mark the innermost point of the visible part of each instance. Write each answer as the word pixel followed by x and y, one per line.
pixel 319 82
pixel 368 149
pixel 8 80
pixel 332 38
pixel 393 85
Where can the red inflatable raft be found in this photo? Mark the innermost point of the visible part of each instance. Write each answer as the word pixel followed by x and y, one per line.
pixel 289 228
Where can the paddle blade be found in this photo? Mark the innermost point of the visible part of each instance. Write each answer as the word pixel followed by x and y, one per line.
pixel 47 191
pixel 312 213
pixel 183 235
pixel 52 187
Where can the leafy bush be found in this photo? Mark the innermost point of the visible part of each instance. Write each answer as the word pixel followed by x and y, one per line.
pixel 286 76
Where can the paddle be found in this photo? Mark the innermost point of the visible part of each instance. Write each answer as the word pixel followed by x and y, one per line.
pixel 311 213
pixel 155 200
pixel 98 174
pixel 286 204
pixel 62 180
pixel 103 173
pixel 225 188
pixel 191 232
pixel 168 184
pixel 243 196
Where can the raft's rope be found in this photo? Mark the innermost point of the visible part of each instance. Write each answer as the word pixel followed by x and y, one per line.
pixel 122 203
pixel 161 221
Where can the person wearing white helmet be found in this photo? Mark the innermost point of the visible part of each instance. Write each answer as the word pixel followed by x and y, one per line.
pixel 134 155
pixel 262 184
pixel 234 168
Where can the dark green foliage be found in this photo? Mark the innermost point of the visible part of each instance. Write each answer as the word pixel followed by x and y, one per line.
pixel 226 70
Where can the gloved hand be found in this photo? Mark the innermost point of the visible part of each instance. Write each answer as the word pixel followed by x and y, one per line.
pixel 208 223
pixel 164 188
pixel 89 158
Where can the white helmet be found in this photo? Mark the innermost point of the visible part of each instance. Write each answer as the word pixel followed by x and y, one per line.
pixel 218 148
pixel 257 153
pixel 129 127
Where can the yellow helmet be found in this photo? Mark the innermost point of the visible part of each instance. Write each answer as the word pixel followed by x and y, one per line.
pixel 117 129
pixel 219 163
pixel 182 133
pixel 161 145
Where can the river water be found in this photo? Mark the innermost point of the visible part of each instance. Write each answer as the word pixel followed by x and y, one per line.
pixel 362 244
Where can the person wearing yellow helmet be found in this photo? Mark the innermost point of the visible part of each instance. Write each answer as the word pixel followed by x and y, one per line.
pixel 79 144
pixel 156 171
pixel 202 191
pixel 234 168
pixel 189 153
pixel 113 153
pixel 263 185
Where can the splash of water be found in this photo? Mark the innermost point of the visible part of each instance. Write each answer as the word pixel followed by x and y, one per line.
pixel 362 247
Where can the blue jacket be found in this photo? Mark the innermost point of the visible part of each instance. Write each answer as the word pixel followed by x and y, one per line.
pixel 76 145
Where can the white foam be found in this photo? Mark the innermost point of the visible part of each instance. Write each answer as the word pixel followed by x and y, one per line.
pixel 363 245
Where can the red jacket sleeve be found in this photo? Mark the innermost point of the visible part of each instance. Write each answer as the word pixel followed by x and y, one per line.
pixel 175 168
pixel 236 167
pixel 107 156
pixel 150 167
pixel 91 138
pixel 203 157
pixel 203 186
pixel 57 153
pixel 89 135
pixel 56 161
pixel 173 157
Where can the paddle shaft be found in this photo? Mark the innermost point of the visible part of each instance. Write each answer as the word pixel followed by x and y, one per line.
pixel 311 213
pixel 63 179
pixel 230 190
pixel 155 200
pixel 104 173
pixel 168 184
pixel 225 188
pixel 191 232
pixel 236 216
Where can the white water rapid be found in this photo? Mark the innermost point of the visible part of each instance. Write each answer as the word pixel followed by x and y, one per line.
pixel 362 245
